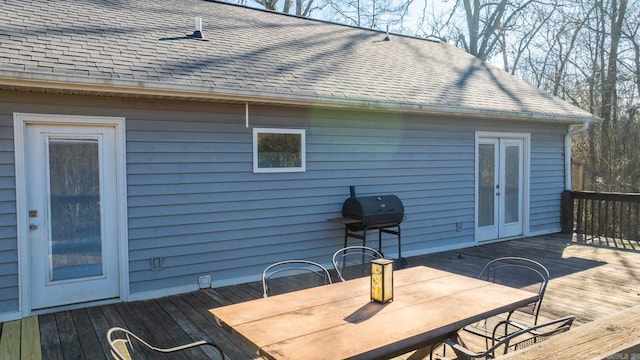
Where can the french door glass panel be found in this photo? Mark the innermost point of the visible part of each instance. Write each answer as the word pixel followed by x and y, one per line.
pixel 512 184
pixel 76 242
pixel 486 184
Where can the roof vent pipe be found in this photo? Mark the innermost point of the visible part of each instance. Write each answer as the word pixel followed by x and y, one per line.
pixel 386 38
pixel 198 31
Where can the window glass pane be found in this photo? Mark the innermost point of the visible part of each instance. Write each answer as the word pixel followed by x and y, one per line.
pixel 486 185
pixel 512 184
pixel 75 249
pixel 279 150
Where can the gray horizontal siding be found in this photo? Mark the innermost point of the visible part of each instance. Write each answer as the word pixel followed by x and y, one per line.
pixel 194 201
pixel 198 205
pixel 8 240
pixel 547 180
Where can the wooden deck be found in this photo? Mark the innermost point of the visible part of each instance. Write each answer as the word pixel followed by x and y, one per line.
pixel 589 279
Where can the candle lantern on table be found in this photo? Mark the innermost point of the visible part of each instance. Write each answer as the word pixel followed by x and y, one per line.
pixel 382 280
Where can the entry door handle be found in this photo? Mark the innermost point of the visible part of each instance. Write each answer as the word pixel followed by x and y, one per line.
pixel 33 227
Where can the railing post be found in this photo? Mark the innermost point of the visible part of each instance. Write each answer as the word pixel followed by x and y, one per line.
pixel 567 212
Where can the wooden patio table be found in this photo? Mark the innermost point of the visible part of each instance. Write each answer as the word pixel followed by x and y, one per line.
pixel 338 321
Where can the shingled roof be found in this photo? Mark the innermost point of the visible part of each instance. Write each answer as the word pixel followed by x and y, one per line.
pixel 143 48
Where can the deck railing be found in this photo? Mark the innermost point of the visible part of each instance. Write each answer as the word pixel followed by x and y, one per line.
pixel 597 214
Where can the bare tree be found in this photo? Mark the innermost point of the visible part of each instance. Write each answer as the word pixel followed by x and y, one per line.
pixel 610 40
pixel 517 41
pixel 435 21
pixel 614 12
pixel 486 22
pixel 374 14
pixel 302 8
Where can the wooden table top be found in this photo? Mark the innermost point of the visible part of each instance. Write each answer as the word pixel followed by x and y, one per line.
pixel 338 321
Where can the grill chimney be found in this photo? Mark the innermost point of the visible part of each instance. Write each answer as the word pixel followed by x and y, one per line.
pixel 352 191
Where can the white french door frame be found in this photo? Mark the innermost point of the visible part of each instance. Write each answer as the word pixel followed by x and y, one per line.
pixel 20 123
pixel 526 160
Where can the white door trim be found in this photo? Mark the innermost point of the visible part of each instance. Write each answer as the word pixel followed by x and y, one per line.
pixel 526 138
pixel 20 122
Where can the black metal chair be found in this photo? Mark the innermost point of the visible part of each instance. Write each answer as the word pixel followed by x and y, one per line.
pixel 517 340
pixel 354 261
pixel 121 345
pixel 515 272
pixel 292 275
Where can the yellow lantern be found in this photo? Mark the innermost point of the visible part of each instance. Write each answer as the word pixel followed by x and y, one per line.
pixel 381 280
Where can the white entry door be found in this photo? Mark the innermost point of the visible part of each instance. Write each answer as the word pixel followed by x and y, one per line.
pixel 71 199
pixel 500 188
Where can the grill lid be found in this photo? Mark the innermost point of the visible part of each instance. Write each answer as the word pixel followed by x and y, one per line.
pixel 373 211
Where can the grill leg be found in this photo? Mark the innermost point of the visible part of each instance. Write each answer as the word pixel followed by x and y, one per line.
pixel 401 262
pixel 348 234
pixel 364 237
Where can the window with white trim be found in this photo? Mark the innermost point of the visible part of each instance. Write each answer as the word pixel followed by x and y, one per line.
pixel 278 150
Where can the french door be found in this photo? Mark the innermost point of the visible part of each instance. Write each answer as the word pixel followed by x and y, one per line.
pixel 500 187
pixel 73 238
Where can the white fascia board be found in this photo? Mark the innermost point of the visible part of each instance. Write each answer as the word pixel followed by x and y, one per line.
pixel 120 87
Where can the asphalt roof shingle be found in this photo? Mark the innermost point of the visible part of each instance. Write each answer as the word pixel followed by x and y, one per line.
pixel 257 54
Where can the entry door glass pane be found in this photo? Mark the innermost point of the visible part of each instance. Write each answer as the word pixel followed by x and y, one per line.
pixel 76 244
pixel 487 169
pixel 512 184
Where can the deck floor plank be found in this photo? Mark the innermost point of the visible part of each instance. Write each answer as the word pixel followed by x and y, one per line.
pixel 234 294
pixel 161 334
pixel 89 340
pixel 49 338
pixel 115 319
pixel 10 340
pixel 217 297
pixel 100 328
pixel 177 331
pixel 202 322
pixel 588 279
pixel 69 339
pixel 112 316
pixel 30 339
pixel 205 301
pixel 138 326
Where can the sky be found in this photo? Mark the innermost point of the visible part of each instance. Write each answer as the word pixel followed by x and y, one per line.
pixel 410 21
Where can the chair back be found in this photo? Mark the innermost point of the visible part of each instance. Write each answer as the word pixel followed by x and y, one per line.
pixel 120 349
pixel 120 343
pixel 354 261
pixel 514 341
pixel 533 335
pixel 291 275
pixel 520 273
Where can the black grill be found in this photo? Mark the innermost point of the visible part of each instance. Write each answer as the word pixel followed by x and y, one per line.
pixel 382 212
pixel 374 212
